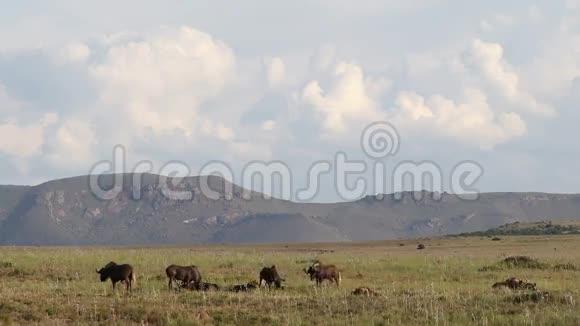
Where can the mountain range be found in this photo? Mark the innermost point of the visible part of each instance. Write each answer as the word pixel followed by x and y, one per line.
pixel 67 212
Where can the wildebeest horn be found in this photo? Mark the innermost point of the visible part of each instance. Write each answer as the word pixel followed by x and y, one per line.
pixel 97 271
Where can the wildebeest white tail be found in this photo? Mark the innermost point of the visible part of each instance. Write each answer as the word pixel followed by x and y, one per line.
pixel 133 279
pixel 339 279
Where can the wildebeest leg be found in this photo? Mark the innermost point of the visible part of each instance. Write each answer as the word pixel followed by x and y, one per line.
pixel 170 283
pixel 113 285
pixel 128 284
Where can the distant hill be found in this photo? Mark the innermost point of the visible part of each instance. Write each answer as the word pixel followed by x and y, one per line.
pixel 66 212
pixel 534 228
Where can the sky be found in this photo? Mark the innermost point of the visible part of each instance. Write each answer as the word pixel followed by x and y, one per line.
pixel 296 82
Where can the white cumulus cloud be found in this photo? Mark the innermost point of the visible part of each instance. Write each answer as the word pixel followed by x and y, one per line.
pixel 348 99
pixel 21 139
pixel 470 120
pixel 489 60
pixel 160 82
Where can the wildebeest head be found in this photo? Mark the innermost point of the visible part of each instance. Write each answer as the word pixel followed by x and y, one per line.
pixel 104 272
pixel 312 270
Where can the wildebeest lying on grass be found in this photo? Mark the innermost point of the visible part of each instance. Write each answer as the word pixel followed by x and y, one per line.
pixel 269 275
pixel 320 272
pixel 201 286
pixel 185 274
pixel 515 284
pixel 365 291
pixel 244 287
pixel 118 273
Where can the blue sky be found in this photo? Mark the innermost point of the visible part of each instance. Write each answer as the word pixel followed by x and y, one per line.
pixel 295 81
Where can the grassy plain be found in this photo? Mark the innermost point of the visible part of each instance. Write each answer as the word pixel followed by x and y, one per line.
pixel 441 285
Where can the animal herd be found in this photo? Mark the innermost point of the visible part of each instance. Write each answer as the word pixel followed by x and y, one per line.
pixel 189 277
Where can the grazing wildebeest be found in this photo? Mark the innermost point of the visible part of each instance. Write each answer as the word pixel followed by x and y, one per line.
pixel 118 273
pixel 185 274
pixel 245 287
pixel 320 272
pixel 201 286
pixel 269 275
pixel 515 284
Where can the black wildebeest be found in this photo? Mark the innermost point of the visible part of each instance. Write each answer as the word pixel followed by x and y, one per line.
pixel 515 284
pixel 269 275
pixel 245 287
pixel 185 274
pixel 320 272
pixel 118 273
pixel 201 286
pixel 365 291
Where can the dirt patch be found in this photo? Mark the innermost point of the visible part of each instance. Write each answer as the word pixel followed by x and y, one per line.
pixel 566 267
pixel 9 270
pixel 523 262
pixel 532 297
pixel 543 297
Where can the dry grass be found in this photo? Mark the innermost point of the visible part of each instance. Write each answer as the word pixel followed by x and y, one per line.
pixel 439 285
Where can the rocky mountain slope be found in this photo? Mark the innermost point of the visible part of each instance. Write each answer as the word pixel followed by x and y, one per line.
pixel 66 212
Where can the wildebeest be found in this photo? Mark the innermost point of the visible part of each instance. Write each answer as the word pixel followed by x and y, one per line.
pixel 118 273
pixel 320 272
pixel 201 286
pixel 515 284
pixel 365 292
pixel 185 274
pixel 269 275
pixel 245 287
